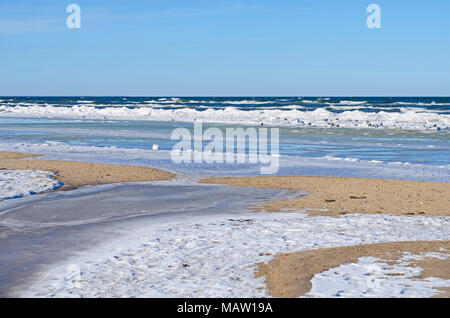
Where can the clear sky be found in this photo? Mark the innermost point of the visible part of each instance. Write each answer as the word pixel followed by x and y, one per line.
pixel 225 48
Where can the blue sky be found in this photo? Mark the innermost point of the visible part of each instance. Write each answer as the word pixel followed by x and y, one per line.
pixel 225 48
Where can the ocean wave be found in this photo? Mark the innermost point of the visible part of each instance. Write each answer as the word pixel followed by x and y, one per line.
pixel 164 100
pixel 421 104
pixel 351 103
pixel 275 117
pixel 246 102
pixel 422 110
pixel 347 107
pixel 193 101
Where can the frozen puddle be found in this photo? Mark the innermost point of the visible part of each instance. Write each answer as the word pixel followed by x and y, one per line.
pixel 21 183
pixel 40 231
pixel 215 256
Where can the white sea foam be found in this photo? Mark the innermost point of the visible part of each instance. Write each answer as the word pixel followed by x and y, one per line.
pixel 421 103
pixel 246 102
pixel 223 102
pixel 20 183
pixel 352 102
pixel 346 107
pixel 213 256
pixel 317 118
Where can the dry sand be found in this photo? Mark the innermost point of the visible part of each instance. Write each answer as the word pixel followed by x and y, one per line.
pixel 289 275
pixel 333 196
pixel 75 174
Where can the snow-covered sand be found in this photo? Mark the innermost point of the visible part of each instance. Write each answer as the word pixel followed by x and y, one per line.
pixel 371 276
pixel 216 256
pixel 20 183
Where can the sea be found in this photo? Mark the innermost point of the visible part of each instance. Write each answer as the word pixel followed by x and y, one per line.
pixel 94 235
pixel 389 137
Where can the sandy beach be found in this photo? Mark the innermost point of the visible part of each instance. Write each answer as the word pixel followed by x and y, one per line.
pixel 225 149
pixel 336 196
pixel 290 274
pixel 76 174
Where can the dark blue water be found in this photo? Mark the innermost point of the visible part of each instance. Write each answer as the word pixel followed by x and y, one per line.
pixel 334 104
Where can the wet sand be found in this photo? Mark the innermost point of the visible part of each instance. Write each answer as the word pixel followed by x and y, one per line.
pixel 289 275
pixel 333 196
pixel 76 174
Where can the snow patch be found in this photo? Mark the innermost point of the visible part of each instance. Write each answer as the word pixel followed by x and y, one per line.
pixel 214 256
pixel 371 277
pixel 21 183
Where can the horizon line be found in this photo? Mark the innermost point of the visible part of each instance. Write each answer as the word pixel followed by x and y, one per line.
pixel 228 96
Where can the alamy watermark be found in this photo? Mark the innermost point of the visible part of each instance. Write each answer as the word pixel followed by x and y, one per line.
pixel 236 146
pixel 74 19
pixel 374 19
